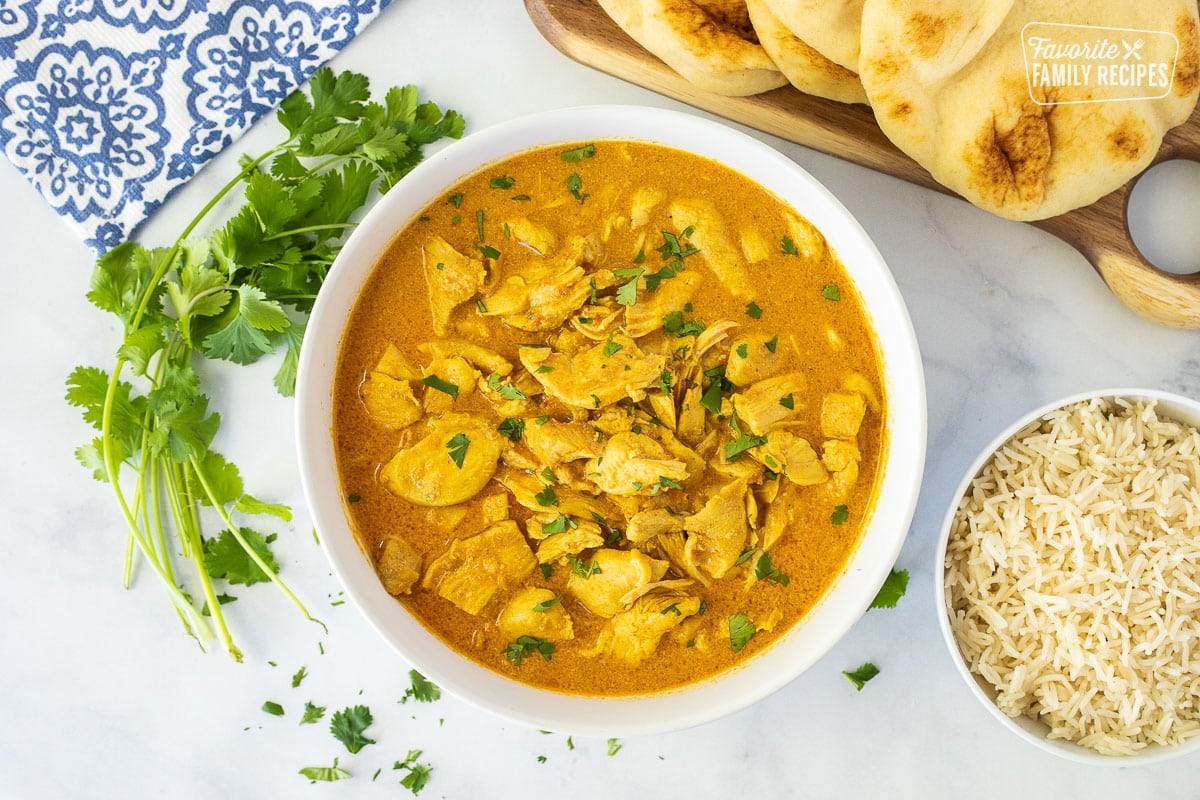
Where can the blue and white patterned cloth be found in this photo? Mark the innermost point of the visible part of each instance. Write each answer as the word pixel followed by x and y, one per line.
pixel 107 106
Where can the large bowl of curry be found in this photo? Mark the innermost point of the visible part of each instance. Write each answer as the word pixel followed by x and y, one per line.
pixel 611 420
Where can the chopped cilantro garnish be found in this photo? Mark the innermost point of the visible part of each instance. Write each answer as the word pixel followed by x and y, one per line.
pixel 741 444
pixel 611 348
pixel 582 569
pixel 627 292
pixel 578 153
pixel 711 399
pixel 502 182
pixel 546 605
pixel 490 252
pixel 455 200
pixel 527 645
pixel 547 570
pixel 860 676
pixel 788 401
pixel 503 388
pixel 753 311
pixel 548 475
pixel 675 325
pixel 575 187
pixel 840 515
pixel 741 630
pixel 892 590
pixel 664 381
pixel 512 428
pixel 546 497
pixel 480 306
pixel 764 571
pixel 672 609
pixel 743 350
pixel 445 387
pixel 614 746
pixel 457 446
pixel 788 246
pixel 831 292
pixel 557 525
pixel 772 343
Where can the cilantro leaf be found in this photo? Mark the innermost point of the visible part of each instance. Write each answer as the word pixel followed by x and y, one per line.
pixel 299 676
pixel 741 630
pixel 892 590
pixel 422 689
pixel 527 645
pixel 417 775
pixel 348 726
pixel 225 557
pixel 312 713
pixel 273 708
pixel 512 428
pixel 457 446
pixel 860 676
pixel 334 773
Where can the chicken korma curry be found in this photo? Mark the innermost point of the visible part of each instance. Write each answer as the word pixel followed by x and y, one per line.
pixel 608 417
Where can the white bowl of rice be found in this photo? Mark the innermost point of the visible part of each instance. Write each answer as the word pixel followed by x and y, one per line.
pixel 1069 581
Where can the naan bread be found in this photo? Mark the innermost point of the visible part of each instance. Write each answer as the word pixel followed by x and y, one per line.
pixel 948 85
pixel 711 43
pixel 831 27
pixel 805 68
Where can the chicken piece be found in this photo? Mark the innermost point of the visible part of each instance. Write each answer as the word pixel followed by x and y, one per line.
pixel 454 371
pixel 838 454
pixel 791 455
pixel 751 360
pixel 616 419
pixel 449 465
pixel 646 525
pixel 633 635
pixel 555 443
pixel 673 545
pixel 488 361
pixel 645 200
pixel 769 401
pixel 754 246
pixel 535 611
pixel 390 401
pixel 718 532
pixel 690 422
pixel 394 363
pixel 452 279
pixel 613 573
pixel 717 248
pixel 599 319
pixel 809 242
pixel 571 542
pixel 663 407
pixel 842 414
pixel 646 315
pixel 632 595
pixel 532 236
pixel 596 377
pixel 634 464
pixel 447 518
pixel 542 296
pixel 780 516
pixel 525 487
pixel 398 564
pixel 677 449
pixel 841 483
pixel 857 382
pixel 473 570
pixel 493 508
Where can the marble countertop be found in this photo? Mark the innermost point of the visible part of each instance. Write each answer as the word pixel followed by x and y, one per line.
pixel 103 696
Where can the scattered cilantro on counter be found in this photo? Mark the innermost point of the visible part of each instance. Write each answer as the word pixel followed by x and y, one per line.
pixel 422 689
pixel 892 590
pixel 273 708
pixel 334 773
pixel 300 675
pixel 348 726
pixel 860 676
pixel 417 775
pixel 312 713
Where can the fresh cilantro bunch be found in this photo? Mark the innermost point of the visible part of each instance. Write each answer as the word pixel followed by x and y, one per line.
pixel 239 294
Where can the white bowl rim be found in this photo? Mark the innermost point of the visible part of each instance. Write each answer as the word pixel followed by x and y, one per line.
pixel 853 590
pixel 1172 404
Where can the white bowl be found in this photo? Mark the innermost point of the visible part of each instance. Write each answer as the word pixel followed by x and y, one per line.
pixel 1177 407
pixel 766 671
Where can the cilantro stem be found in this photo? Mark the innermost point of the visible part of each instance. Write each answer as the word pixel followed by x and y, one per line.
pixel 250 551
pixel 191 529
pixel 310 229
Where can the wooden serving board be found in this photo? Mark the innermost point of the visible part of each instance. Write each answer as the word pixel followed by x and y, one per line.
pixel 582 30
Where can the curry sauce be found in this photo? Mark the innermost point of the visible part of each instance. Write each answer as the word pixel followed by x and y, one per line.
pixel 609 417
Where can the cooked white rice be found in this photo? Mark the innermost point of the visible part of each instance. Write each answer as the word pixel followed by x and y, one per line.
pixel 1073 576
